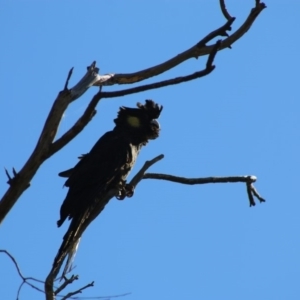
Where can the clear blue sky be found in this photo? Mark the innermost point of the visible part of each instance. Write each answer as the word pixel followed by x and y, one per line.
pixel 169 241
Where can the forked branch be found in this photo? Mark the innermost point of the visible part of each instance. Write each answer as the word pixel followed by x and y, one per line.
pixel 47 146
pixel 248 179
pixel 70 295
pixel 91 109
pixel 25 280
pixel 197 50
pixel 141 174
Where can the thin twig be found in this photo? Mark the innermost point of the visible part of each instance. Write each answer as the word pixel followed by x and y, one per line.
pixel 88 80
pixel 224 10
pixel 104 297
pixel 212 55
pixel 19 289
pixel 250 195
pixel 59 289
pixel 256 194
pixel 140 174
pixel 24 279
pixel 66 283
pixel 79 291
pixel 222 31
pixel 14 261
pixel 245 26
pixel 68 78
pixel 10 179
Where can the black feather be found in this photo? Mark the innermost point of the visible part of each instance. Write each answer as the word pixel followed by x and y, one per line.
pixel 101 174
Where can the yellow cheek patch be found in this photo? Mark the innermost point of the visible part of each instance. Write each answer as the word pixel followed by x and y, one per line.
pixel 133 121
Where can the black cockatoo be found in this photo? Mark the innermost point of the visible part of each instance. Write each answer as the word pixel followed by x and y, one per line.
pixel 101 174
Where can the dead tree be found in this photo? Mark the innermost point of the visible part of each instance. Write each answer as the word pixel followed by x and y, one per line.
pixel 47 145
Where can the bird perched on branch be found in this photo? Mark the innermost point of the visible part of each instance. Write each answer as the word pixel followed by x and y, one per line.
pixel 101 174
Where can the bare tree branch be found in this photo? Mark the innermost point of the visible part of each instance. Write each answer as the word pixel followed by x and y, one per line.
pixel 80 124
pixel 25 280
pixel 208 69
pixel 256 194
pixel 66 283
pixel 68 78
pixel 91 109
pixel 79 291
pixel 193 52
pixel 46 146
pixel 41 152
pixel 224 10
pixel 199 49
pixel 107 297
pixel 88 80
pixel 22 179
pixel 141 173
pixel 249 180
